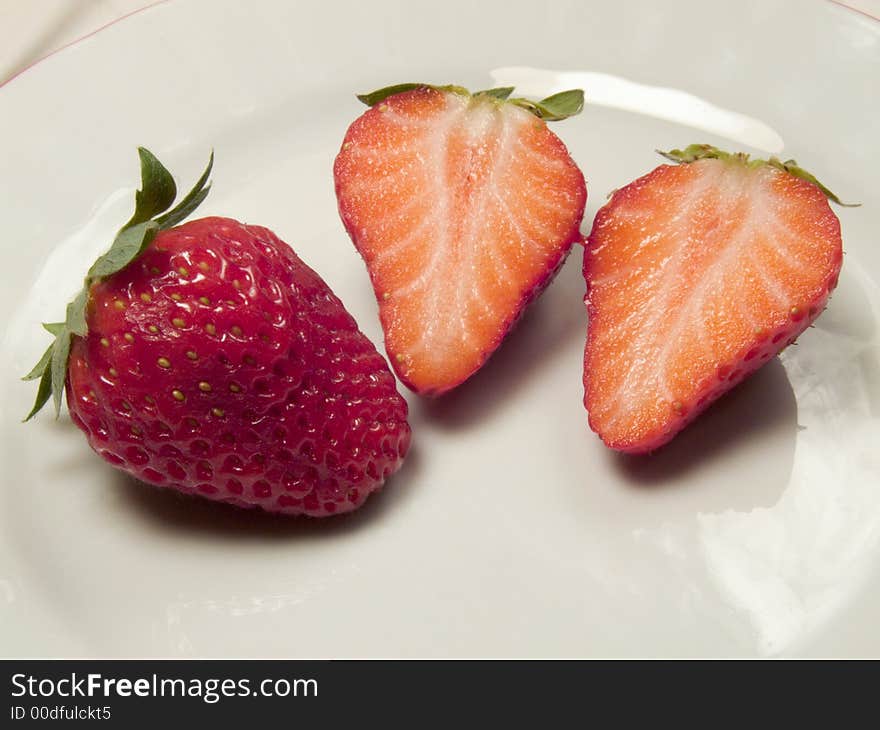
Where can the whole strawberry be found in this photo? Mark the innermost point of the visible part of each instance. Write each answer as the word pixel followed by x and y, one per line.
pixel 697 275
pixel 209 358
pixel 464 206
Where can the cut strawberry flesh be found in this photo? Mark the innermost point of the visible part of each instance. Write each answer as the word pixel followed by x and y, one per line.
pixel 463 208
pixel 696 276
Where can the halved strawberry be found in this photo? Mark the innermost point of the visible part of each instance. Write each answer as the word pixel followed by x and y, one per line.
pixel 696 276
pixel 463 207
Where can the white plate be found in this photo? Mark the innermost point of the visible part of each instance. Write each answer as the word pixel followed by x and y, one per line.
pixel 511 531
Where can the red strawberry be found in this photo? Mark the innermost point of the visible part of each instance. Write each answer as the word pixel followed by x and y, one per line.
pixel 463 207
pixel 215 362
pixel 696 276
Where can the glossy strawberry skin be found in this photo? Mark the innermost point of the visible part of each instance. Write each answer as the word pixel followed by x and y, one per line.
pixel 764 298
pixel 463 210
pixel 219 364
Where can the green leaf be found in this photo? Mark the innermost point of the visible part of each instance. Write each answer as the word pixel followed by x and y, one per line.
pixel 378 96
pixel 169 220
pixel 76 314
pixel 157 191
pixel 792 167
pixel 129 243
pixel 695 152
pixel 53 328
pixel 42 365
pixel 563 105
pixel 554 108
pixel 44 391
pixel 192 200
pixel 59 368
pixel 502 92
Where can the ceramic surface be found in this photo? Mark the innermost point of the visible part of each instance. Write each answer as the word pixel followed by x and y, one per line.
pixel 511 530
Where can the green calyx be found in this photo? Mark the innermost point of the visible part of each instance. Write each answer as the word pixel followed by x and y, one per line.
pixel 554 108
pixel 695 152
pixel 151 215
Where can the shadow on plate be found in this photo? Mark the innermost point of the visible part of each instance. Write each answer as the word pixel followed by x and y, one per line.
pixel 548 325
pixel 176 512
pixel 759 417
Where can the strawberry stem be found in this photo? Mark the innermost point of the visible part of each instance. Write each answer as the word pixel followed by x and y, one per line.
pixel 155 197
pixel 695 152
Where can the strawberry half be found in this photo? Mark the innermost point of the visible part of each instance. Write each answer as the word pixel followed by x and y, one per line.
pixel 463 206
pixel 697 275
pixel 207 357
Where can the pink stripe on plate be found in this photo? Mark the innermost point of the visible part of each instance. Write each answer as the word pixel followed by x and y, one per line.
pixel 81 38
